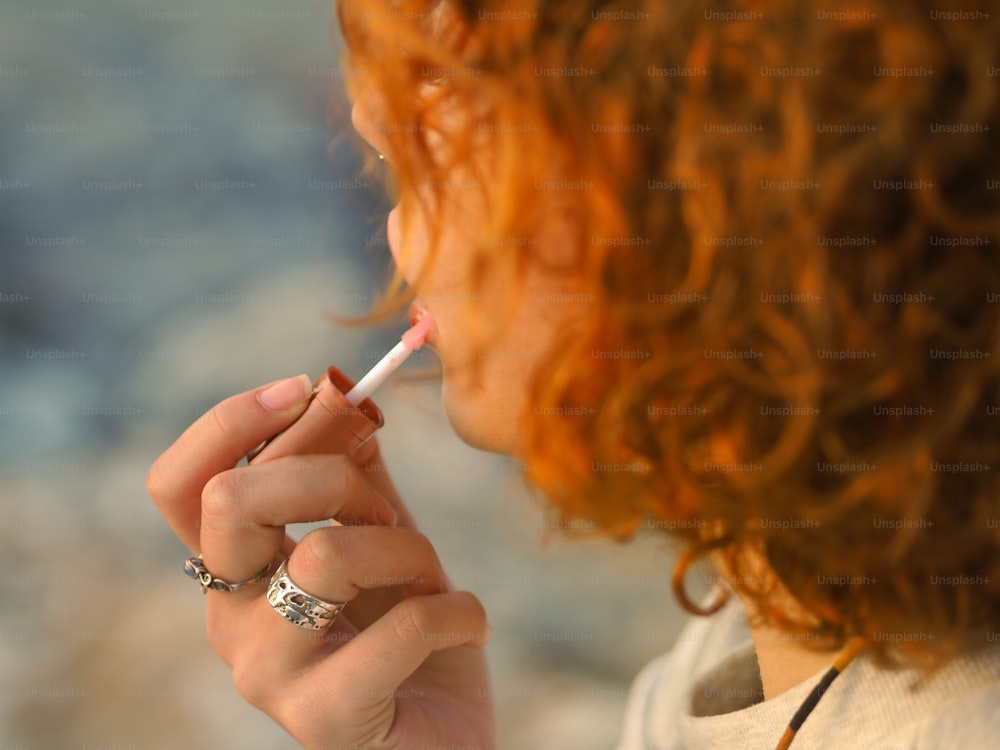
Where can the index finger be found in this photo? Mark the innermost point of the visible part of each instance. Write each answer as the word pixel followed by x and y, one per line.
pixel 216 441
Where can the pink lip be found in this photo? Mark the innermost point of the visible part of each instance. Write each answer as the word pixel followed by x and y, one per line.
pixel 417 311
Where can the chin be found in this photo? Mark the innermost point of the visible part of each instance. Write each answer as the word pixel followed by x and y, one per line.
pixel 479 422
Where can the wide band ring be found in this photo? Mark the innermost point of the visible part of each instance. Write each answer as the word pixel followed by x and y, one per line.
pixel 195 568
pixel 297 606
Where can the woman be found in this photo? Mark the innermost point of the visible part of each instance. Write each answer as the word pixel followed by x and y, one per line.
pixel 722 269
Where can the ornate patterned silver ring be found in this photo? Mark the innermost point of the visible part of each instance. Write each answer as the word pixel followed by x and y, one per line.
pixel 195 568
pixel 297 606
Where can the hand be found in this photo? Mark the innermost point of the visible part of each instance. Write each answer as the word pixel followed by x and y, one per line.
pixel 402 666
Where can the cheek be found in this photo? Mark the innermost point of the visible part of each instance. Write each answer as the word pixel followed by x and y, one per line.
pixel 485 410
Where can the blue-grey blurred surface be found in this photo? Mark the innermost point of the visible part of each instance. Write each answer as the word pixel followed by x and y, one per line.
pixel 174 227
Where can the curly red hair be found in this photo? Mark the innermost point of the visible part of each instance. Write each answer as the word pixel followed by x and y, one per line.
pixel 787 212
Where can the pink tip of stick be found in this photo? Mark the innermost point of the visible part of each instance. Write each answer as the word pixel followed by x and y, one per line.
pixel 413 339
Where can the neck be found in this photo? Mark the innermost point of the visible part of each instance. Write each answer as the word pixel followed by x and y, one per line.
pixel 784 662
pixel 783 658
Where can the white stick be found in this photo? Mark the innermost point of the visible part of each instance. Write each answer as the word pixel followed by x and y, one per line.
pixel 377 375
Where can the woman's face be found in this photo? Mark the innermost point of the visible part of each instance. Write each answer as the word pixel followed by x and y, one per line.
pixel 483 408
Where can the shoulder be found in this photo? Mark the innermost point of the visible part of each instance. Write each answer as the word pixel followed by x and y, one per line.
pixel 962 715
pixel 869 707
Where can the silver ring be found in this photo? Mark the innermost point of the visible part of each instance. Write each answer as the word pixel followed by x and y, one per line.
pixel 297 606
pixel 195 568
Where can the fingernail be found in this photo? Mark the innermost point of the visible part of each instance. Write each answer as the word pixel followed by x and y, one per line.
pixel 285 394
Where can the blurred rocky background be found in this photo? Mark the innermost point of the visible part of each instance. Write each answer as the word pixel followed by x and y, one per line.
pixel 173 228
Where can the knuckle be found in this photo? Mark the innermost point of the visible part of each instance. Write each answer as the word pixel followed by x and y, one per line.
pixel 219 635
pixel 423 541
pixel 163 477
pixel 336 473
pixel 411 621
pixel 477 612
pixel 156 482
pixel 248 683
pixel 424 547
pixel 221 495
pixel 319 552
pixel 214 631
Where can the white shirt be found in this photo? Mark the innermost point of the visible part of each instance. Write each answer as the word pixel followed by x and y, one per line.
pixel 707 695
